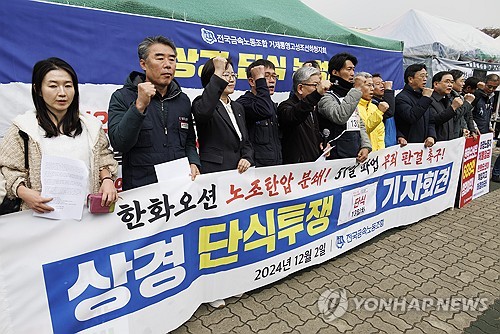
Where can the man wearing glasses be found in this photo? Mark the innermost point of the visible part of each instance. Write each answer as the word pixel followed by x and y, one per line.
pixel 414 120
pixel 302 139
pixel 443 108
pixel 260 113
pixel 483 105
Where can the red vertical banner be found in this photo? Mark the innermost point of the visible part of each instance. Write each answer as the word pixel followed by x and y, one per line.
pixel 476 168
pixel 468 171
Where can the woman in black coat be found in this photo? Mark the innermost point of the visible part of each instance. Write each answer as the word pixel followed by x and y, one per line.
pixel 220 122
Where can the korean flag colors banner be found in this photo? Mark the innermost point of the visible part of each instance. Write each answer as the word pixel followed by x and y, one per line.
pixel 176 244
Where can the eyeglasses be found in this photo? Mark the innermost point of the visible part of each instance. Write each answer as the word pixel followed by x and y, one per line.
pixel 269 75
pixel 310 84
pixel 230 75
pixel 448 82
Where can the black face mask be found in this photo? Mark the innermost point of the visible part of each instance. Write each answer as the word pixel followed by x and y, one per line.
pixel 340 84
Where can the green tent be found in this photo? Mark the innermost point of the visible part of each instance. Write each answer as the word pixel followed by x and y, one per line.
pixel 284 17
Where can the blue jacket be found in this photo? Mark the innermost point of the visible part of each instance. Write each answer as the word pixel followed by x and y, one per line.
pixel 390 124
pixel 164 132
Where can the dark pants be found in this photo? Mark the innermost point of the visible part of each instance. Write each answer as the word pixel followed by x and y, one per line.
pixel 496 167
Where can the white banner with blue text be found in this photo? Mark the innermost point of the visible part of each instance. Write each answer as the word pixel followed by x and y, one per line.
pixel 171 246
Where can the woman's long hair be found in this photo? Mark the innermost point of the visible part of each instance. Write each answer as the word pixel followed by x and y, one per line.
pixel 70 124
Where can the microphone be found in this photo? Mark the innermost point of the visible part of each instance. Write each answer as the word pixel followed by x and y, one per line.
pixel 325 134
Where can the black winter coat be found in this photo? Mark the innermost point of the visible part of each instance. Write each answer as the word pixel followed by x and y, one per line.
pixel 262 125
pixel 301 134
pixel 220 146
pixel 164 132
pixel 414 119
pixel 443 117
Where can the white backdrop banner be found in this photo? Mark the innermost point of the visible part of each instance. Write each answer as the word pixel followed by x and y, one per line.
pixel 176 244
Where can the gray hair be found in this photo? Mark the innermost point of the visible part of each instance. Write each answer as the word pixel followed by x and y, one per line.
pixel 143 48
pixel 302 75
pixel 365 75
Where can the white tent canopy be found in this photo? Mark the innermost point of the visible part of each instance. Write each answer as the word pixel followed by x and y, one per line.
pixel 425 35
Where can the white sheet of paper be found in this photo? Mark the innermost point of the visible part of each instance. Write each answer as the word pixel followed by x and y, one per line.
pixel 66 181
pixel 172 169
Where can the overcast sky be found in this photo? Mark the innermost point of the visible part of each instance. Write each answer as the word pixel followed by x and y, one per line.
pixel 371 13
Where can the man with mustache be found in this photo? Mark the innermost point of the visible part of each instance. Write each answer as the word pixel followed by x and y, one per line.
pixel 260 113
pixel 150 119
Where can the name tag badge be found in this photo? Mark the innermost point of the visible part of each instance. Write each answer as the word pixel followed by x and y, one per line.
pixel 353 122
pixel 183 121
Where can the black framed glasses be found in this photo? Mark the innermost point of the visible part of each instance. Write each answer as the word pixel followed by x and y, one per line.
pixel 448 82
pixel 230 75
pixel 310 84
pixel 269 75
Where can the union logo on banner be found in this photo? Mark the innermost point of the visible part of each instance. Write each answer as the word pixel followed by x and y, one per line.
pixel 208 36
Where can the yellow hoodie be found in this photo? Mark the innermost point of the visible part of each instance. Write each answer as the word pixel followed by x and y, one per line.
pixel 373 118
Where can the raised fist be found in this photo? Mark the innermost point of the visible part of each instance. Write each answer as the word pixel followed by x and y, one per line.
pixel 469 98
pixel 383 106
pixel 258 72
pixel 387 84
pixel 145 91
pixel 359 81
pixel 456 103
pixel 323 86
pixel 427 91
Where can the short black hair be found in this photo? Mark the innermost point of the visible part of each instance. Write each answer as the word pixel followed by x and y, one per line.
pixel 457 74
pixel 439 76
pixel 412 69
pixel 209 70
pixel 492 77
pixel 338 61
pixel 471 82
pixel 313 63
pixel 376 75
pixel 258 62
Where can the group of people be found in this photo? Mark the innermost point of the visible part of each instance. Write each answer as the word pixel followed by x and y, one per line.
pixel 453 107
pixel 152 121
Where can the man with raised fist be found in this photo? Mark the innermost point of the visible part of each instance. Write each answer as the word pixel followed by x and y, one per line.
pixel 150 119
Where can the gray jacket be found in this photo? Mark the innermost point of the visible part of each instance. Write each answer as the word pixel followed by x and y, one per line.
pixel 339 112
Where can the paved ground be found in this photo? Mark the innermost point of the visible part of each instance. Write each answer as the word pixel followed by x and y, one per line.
pixel 452 257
